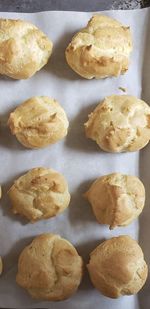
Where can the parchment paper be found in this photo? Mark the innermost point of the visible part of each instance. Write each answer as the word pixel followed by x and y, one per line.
pixel 79 159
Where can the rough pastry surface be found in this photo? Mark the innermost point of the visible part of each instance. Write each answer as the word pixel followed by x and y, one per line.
pixel 116 199
pixel 101 49
pixel 40 194
pixel 24 49
pixel 50 268
pixel 38 122
pixel 120 123
pixel 117 267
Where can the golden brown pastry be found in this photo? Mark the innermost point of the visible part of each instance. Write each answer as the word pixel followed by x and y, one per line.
pixel 117 267
pixel 24 49
pixel 120 123
pixel 40 194
pixel 116 199
pixel 0 192
pixel 1 265
pixel 101 49
pixel 50 268
pixel 38 122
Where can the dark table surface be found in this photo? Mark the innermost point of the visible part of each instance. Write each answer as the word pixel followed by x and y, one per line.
pixel 74 5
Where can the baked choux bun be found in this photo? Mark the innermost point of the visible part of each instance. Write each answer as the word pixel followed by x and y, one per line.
pixel 50 268
pixel 1 265
pixel 24 49
pixel 116 199
pixel 120 123
pixel 101 49
pixel 117 267
pixel 38 122
pixel 40 194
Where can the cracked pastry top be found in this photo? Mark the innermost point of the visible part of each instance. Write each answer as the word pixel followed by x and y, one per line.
pixel 100 50
pixel 38 122
pixel 116 199
pixel 120 123
pixel 117 267
pixel 40 194
pixel 24 49
pixel 50 268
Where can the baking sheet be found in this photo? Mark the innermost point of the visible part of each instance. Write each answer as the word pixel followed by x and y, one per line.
pixel 78 158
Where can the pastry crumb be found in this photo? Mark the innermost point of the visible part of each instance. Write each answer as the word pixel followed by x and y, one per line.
pixel 122 89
